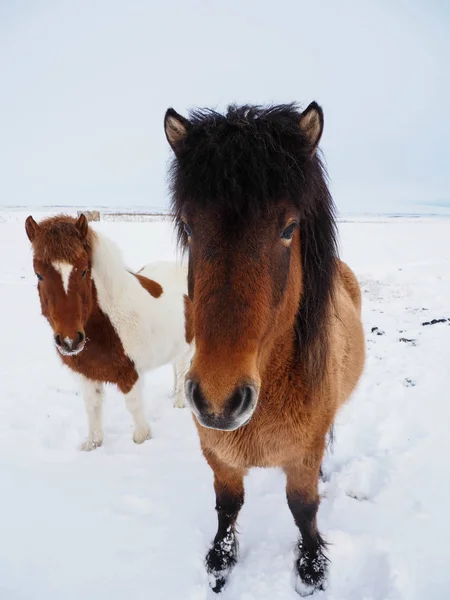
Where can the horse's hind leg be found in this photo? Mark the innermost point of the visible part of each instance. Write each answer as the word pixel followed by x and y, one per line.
pixel 180 368
pixel 303 501
pixel 229 488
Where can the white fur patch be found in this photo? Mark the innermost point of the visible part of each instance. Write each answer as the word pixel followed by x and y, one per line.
pixel 65 270
pixel 151 329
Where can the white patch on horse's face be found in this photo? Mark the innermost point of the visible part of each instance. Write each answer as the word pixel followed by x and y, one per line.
pixel 65 270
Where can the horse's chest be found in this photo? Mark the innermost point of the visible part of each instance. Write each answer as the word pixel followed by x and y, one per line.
pixel 107 363
pixel 254 445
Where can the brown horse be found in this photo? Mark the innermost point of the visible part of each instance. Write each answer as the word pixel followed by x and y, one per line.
pixel 109 325
pixel 274 313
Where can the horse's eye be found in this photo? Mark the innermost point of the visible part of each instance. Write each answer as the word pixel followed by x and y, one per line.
pixel 187 229
pixel 39 277
pixel 289 231
pixel 83 274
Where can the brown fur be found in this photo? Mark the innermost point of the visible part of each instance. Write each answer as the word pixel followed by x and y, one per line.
pixel 270 307
pixel 188 320
pixel 152 287
pixel 289 423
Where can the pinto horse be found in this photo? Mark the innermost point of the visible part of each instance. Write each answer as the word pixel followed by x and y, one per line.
pixel 109 325
pixel 274 313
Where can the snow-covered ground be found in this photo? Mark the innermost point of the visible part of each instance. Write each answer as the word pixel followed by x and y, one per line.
pixel 130 521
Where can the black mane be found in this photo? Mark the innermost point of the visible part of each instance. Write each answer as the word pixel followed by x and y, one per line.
pixel 247 161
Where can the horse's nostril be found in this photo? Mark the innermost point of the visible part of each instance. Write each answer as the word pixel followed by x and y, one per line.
pixel 58 339
pixel 189 388
pixel 242 400
pixel 248 399
pixel 194 395
pixel 80 337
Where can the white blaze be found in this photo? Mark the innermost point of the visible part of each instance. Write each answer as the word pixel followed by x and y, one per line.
pixel 65 270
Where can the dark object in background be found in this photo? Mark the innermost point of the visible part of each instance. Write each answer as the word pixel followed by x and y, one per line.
pixel 434 321
pixel 377 331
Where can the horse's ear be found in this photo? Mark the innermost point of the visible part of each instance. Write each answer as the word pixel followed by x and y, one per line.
pixel 31 227
pixel 311 123
pixel 82 226
pixel 176 128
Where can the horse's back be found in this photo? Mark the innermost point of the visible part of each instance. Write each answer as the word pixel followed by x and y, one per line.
pixel 350 283
pixel 160 335
pixel 171 276
pixel 350 346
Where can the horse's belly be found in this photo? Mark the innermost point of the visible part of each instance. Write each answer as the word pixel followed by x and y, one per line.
pixel 158 353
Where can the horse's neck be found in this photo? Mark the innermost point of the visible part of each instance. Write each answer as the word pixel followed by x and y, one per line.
pixel 122 299
pixel 284 359
pixel 111 278
pixel 282 355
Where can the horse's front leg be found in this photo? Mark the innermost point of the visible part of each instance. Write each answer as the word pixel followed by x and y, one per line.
pixel 229 488
pixel 93 401
pixel 303 501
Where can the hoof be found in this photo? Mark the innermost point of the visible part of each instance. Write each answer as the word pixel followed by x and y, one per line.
pixel 217 577
pixel 216 582
pixel 220 560
pixel 141 435
pixel 90 444
pixel 304 589
pixel 311 570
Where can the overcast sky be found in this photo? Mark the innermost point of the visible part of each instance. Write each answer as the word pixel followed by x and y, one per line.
pixel 84 85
